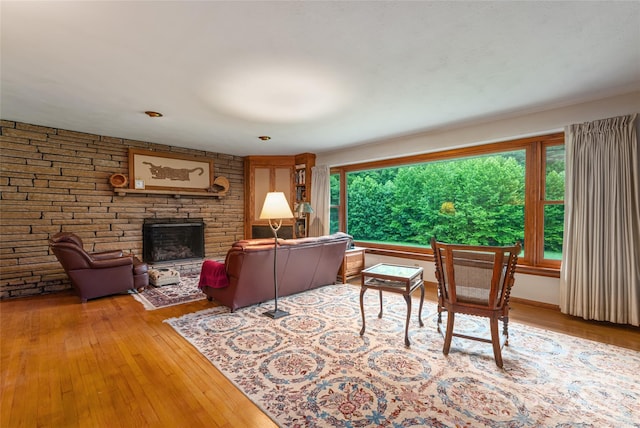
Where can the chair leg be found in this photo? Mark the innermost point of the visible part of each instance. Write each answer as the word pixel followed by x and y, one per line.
pixel 449 334
pixel 505 330
pixel 495 341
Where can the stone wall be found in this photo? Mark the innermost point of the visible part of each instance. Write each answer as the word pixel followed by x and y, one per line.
pixel 54 180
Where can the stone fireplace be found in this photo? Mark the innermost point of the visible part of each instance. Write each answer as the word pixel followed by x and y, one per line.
pixel 169 239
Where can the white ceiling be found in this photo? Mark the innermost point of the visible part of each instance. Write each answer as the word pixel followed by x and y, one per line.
pixel 315 76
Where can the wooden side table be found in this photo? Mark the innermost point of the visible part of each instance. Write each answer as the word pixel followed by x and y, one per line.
pixel 352 264
pixel 395 279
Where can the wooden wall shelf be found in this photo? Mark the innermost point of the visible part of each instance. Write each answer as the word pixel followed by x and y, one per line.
pixel 176 193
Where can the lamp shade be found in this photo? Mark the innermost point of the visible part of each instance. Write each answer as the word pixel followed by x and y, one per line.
pixel 275 207
pixel 303 208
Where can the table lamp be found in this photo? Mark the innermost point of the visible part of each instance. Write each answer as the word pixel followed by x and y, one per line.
pixel 302 209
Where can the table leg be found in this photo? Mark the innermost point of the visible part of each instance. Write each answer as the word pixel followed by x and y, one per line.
pixel 407 298
pixel 362 290
pixel 380 314
pixel 421 303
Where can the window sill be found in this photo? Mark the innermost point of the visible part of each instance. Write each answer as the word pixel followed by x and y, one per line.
pixel 418 255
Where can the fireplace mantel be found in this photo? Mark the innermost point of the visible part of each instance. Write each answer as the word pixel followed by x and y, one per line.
pixel 176 193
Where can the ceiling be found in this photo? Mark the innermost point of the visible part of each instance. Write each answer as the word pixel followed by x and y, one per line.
pixel 314 76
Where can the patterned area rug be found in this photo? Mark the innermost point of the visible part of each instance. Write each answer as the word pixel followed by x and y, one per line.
pixel 313 369
pixel 161 297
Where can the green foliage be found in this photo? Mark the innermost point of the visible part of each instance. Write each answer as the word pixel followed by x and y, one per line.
pixel 373 199
pixel 334 186
pixel 483 200
pixel 553 228
pixel 554 186
pixel 334 189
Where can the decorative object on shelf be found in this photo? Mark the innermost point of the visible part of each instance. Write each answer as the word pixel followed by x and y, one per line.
pixel 220 186
pixel 301 175
pixel 170 171
pixel 275 208
pixel 302 209
pixel 301 182
pixel 301 228
pixel 301 193
pixel 139 184
pixel 118 180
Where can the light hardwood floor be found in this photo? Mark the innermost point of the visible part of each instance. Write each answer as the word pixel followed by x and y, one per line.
pixel 111 363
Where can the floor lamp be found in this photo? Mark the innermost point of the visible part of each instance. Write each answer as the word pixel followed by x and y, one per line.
pixel 275 209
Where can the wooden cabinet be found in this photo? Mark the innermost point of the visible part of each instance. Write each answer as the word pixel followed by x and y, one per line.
pixel 352 264
pixel 265 174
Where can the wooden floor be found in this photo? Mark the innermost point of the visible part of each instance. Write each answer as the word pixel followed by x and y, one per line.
pixel 111 363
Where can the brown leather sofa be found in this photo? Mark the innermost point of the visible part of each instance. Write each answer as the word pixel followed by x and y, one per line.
pixel 303 264
pixel 97 274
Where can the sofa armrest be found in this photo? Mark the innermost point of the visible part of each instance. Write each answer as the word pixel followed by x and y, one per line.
pixel 106 254
pixel 114 262
pixel 244 243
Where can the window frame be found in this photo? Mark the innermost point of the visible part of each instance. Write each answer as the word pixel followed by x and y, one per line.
pixel 342 223
pixel 535 173
pixel 542 202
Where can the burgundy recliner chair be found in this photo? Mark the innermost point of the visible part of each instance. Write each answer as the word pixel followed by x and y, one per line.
pixel 98 274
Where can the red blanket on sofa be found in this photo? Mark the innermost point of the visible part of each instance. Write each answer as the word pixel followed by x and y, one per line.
pixel 213 274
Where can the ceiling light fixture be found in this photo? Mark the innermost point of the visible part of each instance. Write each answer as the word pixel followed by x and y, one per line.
pixel 276 92
pixel 264 137
pixel 153 114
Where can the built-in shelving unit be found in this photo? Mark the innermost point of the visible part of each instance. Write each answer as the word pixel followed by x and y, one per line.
pixel 302 180
pixel 285 174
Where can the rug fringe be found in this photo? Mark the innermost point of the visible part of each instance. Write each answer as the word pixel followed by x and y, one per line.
pixel 145 303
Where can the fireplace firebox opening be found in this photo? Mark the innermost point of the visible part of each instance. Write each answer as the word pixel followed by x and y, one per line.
pixel 172 239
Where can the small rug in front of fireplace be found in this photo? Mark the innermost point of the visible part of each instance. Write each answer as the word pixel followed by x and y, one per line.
pixel 160 297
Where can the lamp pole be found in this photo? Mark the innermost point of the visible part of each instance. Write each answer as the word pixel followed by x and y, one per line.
pixel 275 313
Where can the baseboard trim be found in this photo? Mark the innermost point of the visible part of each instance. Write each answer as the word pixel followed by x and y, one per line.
pixel 434 285
pixel 535 303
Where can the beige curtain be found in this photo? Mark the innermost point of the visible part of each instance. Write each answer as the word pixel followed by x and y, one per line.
pixel 600 274
pixel 320 199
